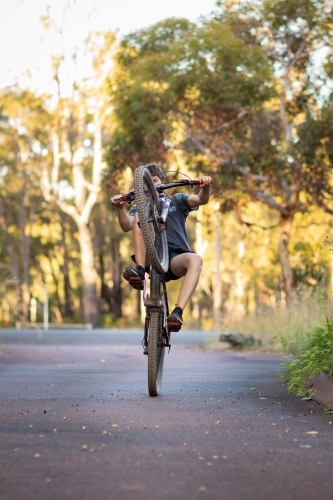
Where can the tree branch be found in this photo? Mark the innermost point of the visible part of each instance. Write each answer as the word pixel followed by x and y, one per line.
pixel 248 174
pixel 224 125
pixel 269 200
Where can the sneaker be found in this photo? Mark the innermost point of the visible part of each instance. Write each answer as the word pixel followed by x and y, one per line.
pixel 175 320
pixel 135 276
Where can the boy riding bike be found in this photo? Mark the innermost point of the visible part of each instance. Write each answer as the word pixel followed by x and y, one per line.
pixel 183 262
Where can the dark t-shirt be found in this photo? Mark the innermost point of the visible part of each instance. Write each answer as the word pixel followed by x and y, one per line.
pixel 175 225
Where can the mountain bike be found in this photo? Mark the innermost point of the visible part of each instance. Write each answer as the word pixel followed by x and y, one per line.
pixel 153 208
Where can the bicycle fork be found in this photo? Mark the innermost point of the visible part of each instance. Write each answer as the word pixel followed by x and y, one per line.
pixel 156 301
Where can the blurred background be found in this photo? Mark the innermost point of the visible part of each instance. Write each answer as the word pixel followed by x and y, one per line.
pixel 238 90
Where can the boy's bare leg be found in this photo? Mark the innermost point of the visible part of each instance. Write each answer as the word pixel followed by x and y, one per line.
pixel 188 265
pixel 136 275
pixel 139 246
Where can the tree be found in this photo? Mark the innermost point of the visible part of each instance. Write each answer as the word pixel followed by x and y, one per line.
pixel 23 133
pixel 290 33
pixel 73 182
pixel 233 94
pixel 173 78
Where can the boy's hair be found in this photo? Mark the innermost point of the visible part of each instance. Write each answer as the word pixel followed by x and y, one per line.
pixel 155 170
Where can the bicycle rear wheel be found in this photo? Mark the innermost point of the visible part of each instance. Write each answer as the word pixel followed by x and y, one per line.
pixel 156 351
pixel 149 209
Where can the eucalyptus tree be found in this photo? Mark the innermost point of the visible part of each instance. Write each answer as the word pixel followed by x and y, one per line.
pixel 81 120
pixel 272 162
pixel 176 76
pixel 233 92
pixel 316 145
pixel 23 135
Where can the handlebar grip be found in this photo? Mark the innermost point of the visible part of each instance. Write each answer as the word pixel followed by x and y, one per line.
pixel 121 197
pixel 198 183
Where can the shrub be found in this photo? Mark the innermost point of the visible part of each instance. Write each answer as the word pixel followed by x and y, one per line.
pixel 316 355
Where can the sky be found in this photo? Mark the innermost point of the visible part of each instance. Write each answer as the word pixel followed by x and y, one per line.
pixel 25 46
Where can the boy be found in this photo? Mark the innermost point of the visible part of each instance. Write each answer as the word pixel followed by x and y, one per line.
pixel 183 262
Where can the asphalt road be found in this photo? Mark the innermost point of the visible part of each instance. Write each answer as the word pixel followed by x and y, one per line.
pixel 76 423
pixel 97 337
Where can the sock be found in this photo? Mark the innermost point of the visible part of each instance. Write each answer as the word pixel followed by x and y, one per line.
pixel 178 310
pixel 141 271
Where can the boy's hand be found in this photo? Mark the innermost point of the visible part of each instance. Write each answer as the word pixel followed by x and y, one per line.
pixel 117 201
pixel 205 180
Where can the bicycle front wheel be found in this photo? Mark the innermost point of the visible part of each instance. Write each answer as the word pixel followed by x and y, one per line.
pixel 156 351
pixel 149 210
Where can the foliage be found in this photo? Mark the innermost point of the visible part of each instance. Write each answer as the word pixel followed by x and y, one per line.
pixel 316 356
pixel 177 75
pixel 23 135
pixel 231 93
pixel 237 95
pixel 316 143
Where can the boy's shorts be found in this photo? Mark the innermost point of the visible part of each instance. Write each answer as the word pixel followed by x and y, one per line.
pixel 169 275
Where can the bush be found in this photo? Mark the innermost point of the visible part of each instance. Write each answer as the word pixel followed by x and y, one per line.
pixel 316 356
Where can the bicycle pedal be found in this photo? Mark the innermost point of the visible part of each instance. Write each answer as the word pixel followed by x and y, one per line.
pixel 136 282
pixel 174 327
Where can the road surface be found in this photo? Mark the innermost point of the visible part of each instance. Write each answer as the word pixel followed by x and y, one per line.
pixel 76 423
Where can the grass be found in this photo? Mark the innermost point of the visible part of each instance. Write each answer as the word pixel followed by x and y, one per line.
pixel 284 329
pixel 304 331
pixel 316 355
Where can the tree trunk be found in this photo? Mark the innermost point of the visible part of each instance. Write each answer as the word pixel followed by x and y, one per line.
pixel 105 289
pixel 25 258
pixel 116 296
pixel 90 302
pixel 200 248
pixel 239 282
pixel 13 267
pixel 68 305
pixel 217 299
pixel 288 282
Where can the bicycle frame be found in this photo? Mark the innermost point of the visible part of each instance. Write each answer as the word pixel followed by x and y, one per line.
pixel 156 301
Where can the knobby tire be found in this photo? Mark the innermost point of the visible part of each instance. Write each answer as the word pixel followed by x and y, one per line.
pixel 156 351
pixel 153 234
pixel 156 339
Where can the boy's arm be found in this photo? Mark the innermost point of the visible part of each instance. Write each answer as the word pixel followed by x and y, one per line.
pixel 125 221
pixel 195 200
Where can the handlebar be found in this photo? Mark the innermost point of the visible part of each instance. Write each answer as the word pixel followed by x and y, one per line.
pixel 129 197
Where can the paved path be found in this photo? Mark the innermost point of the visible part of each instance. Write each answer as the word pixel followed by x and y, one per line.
pixel 76 423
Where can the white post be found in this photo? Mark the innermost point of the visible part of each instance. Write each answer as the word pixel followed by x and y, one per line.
pixel 33 310
pixel 331 273
pixel 46 307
